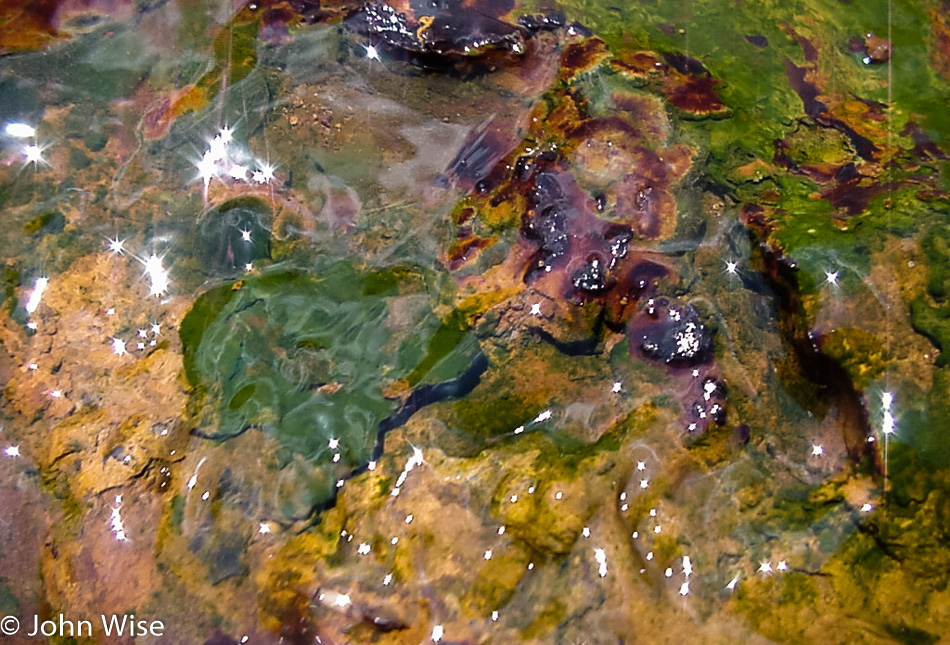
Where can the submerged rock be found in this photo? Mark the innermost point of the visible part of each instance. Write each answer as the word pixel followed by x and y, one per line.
pixel 233 236
pixel 672 334
pixel 878 49
pixel 439 33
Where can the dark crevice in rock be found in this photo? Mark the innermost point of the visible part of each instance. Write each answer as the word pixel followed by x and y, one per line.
pixel 582 347
pixel 833 387
pixel 420 398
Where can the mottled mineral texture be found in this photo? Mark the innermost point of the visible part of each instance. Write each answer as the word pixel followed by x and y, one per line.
pixel 466 321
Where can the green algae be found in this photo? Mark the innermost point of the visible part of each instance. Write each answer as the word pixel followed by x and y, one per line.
pixel 934 323
pixel 549 531
pixel 922 427
pixel 232 346
pixel 393 280
pixel 864 575
pixel 930 311
pixel 809 144
pixel 897 547
pixel 507 400
pixel 177 513
pixel 56 483
pixel 715 34
pixel 860 353
pixel 739 150
pixel 547 618
pixel 496 582
pixel 235 52
pixel 799 589
pixel 201 316
pixel 309 360
pixel 508 411
pixel 800 506
pixel 45 224
pixel 9 281
pixel 714 447
pixel 665 549
pixel 450 334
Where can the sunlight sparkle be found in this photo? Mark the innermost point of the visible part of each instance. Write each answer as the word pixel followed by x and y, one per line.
pixel 118 346
pixel 157 274
pixel 34 154
pixel 19 130
pixel 116 245
pixel 38 288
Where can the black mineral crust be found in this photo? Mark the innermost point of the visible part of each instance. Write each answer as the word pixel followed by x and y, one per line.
pixel 673 334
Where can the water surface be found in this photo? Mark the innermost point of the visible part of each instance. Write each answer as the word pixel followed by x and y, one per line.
pixel 481 322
